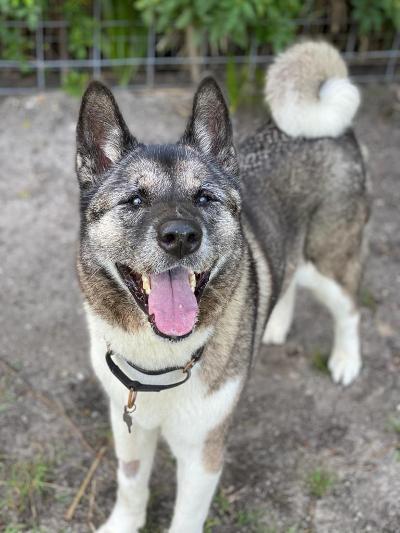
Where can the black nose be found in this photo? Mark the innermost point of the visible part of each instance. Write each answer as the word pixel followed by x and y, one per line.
pixel 179 237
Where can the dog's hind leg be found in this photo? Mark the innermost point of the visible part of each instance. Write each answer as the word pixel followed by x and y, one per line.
pixel 135 453
pixel 281 318
pixel 345 360
pixel 335 250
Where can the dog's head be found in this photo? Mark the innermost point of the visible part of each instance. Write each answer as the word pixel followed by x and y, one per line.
pixel 160 223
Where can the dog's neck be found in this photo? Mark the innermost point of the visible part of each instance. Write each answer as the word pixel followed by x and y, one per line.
pixel 144 348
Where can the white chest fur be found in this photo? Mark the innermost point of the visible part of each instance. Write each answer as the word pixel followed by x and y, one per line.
pixel 189 405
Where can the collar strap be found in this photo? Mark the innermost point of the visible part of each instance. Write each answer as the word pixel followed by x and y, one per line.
pixel 138 386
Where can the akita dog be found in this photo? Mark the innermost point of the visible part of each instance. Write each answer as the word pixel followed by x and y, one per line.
pixel 190 251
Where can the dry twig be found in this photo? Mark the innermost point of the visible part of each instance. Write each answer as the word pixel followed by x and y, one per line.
pixel 71 510
pixel 92 500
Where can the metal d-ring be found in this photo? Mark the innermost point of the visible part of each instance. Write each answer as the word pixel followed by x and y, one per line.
pixel 131 399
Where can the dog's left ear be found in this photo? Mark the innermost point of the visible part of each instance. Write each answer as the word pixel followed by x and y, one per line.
pixel 102 137
pixel 209 129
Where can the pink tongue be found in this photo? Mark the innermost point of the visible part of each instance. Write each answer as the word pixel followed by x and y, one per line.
pixel 172 302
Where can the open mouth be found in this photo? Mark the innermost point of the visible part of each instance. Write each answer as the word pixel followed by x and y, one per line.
pixel 169 299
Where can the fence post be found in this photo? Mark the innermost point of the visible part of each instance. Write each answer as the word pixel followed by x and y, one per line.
pixel 351 39
pixel 151 54
pixel 391 64
pixel 40 73
pixel 97 40
pixel 253 59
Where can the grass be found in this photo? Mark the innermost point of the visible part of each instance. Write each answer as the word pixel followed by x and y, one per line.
pixel 394 424
pixel 397 454
pixel 25 485
pixel 319 482
pixel 210 524
pixel 221 503
pixel 368 300
pixel 222 508
pixel 319 362
pixel 248 518
pixel 7 396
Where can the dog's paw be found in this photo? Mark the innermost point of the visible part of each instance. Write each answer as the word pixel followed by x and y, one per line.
pixel 119 525
pixel 344 367
pixel 115 528
pixel 186 529
pixel 275 332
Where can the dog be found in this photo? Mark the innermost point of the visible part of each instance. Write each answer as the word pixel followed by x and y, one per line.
pixel 190 256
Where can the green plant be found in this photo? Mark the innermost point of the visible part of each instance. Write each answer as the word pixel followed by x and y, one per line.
pixel 74 83
pixel 319 362
pixel 210 524
pixel 236 78
pixel 394 424
pixel 7 396
pixel 397 454
pixel 184 27
pixel 270 20
pixel 14 528
pixel 25 486
pixel 221 502
pixel 15 42
pixel 119 42
pixel 223 22
pixel 248 518
pixel 27 10
pixel 319 482
pixel 368 300
pixel 372 16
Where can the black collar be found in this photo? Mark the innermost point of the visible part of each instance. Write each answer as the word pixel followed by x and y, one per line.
pixel 137 386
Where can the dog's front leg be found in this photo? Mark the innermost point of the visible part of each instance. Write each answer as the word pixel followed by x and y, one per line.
pixel 199 470
pixel 135 453
pixel 196 487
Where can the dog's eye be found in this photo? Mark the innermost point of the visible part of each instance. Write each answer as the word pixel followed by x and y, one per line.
pixel 137 200
pixel 203 198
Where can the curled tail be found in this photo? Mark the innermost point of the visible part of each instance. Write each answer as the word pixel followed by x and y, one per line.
pixel 309 92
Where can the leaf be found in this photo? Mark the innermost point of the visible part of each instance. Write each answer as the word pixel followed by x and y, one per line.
pixel 185 18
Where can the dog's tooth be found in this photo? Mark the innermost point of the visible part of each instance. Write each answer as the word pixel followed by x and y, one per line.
pixel 146 284
pixel 192 281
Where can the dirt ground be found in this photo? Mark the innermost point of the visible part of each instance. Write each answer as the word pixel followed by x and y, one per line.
pixel 304 455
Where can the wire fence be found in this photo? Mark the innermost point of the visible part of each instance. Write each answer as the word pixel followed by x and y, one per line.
pixel 49 61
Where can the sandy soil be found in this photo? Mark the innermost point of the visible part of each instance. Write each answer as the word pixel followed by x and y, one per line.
pixel 304 455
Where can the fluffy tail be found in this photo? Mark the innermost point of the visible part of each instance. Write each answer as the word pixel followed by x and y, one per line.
pixel 309 92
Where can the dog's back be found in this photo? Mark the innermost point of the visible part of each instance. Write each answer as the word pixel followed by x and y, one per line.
pixel 303 176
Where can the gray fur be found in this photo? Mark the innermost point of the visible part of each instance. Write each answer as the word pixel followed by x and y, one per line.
pixel 306 200
pixel 301 200
pixel 294 200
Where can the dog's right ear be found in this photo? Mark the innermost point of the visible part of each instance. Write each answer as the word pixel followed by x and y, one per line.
pixel 102 137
